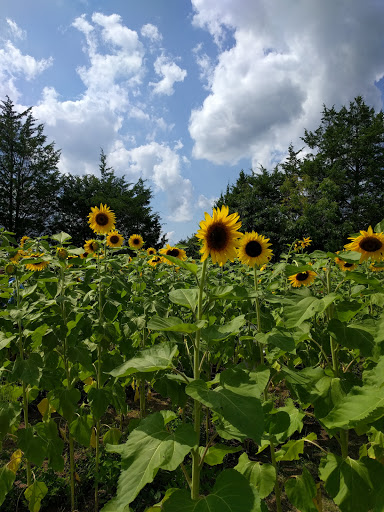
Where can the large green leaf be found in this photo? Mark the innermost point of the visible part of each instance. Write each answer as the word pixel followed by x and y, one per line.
pixel 215 454
pixel 262 476
pixel 237 400
pixel 81 429
pixel 65 401
pixel 53 444
pixel 173 324
pixel 354 485
pixel 9 414
pixel 231 493
pixel 301 491
pixel 346 310
pixel 7 477
pixel 306 308
pixel 186 297
pixel 352 336
pixel 34 494
pixel 294 448
pixel 221 332
pixel 361 278
pixel 148 448
pixel 157 357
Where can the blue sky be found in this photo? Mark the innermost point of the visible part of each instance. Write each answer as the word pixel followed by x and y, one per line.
pixel 186 93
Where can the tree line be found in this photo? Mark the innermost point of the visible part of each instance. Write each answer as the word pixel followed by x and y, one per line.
pixel 327 189
pixel 36 199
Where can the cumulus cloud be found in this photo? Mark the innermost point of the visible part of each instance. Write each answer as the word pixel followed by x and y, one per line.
pixel 285 62
pixel 151 32
pixel 205 203
pixel 170 72
pixel 162 166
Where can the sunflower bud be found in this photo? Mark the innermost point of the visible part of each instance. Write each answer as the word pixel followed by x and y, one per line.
pixel 62 253
pixel 10 269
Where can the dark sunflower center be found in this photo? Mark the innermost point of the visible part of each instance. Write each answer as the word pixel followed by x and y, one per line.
pixel 156 259
pixel 102 219
pixel 136 241
pixel 253 249
pixel 217 237
pixel 173 252
pixel 85 254
pixel 114 239
pixel 370 244
pixel 94 246
pixel 302 276
pixel 348 265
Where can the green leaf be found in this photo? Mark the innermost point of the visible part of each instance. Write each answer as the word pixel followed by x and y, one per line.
pixel 81 429
pixel 33 447
pixel 281 338
pixel 360 278
pixel 215 454
pixel 301 490
pixel 231 493
pixel 307 308
pixel 352 336
pixel 261 476
pixel 61 237
pixel 191 267
pixel 222 332
pixel 350 256
pixel 53 444
pixel 112 436
pixel 379 228
pixel 237 401
pixel 187 297
pixel 34 494
pixel 5 339
pixel 353 484
pixel 173 324
pixel 157 357
pixel 9 414
pixel 346 310
pixel 99 400
pixel 294 448
pixel 65 401
pixel 7 477
pixel 148 448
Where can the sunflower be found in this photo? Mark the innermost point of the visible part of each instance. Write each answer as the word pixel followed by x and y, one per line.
pixel 302 278
pixel 84 255
pixel 369 244
pixel 344 265
pixel 10 268
pixel 219 234
pixel 151 251
pixel 101 220
pixel 306 242
pixel 254 249
pixel 18 255
pixel 173 251
pixel 114 239
pixel 136 241
pixel 376 268
pixel 155 260
pixel 62 253
pixel 91 246
pixel 23 240
pixel 40 265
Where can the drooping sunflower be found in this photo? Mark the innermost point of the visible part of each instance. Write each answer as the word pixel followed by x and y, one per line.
pixel 220 235
pixel 155 260
pixel 84 255
pixel 151 251
pixel 376 268
pixel 101 220
pixel 136 241
pixel 369 244
pixel 91 246
pixel 302 278
pixel 40 265
pixel 173 251
pixel 18 255
pixel 254 249
pixel 115 239
pixel 23 240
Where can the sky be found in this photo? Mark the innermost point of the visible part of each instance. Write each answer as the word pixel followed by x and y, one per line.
pixel 186 93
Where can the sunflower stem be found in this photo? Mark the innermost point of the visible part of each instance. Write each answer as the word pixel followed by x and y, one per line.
pixel 277 487
pixel 258 317
pixel 195 487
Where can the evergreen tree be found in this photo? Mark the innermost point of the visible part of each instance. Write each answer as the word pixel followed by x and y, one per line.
pixel 29 179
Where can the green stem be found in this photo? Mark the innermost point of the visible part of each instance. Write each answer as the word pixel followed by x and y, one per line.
pixel 24 386
pixel 258 317
pixel 98 386
pixel 195 487
pixel 277 487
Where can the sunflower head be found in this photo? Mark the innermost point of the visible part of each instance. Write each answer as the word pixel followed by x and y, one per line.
pixel 219 235
pixel 368 244
pixel 344 265
pixel 23 240
pixel 136 241
pixel 254 249
pixel 39 265
pixel 376 268
pixel 62 253
pixel 10 268
pixel 155 260
pixel 302 278
pixel 101 220
pixel 173 251
pixel 18 255
pixel 114 239
pixel 151 251
pixel 91 246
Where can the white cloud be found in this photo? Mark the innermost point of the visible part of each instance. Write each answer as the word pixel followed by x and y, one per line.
pixel 17 32
pixel 205 64
pixel 205 203
pixel 286 61
pixel 162 166
pixel 151 32
pixel 170 72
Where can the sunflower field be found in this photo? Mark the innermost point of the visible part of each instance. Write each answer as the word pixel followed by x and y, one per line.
pixel 144 381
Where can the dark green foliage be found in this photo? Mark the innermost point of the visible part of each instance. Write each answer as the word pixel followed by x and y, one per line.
pixel 130 202
pixel 29 179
